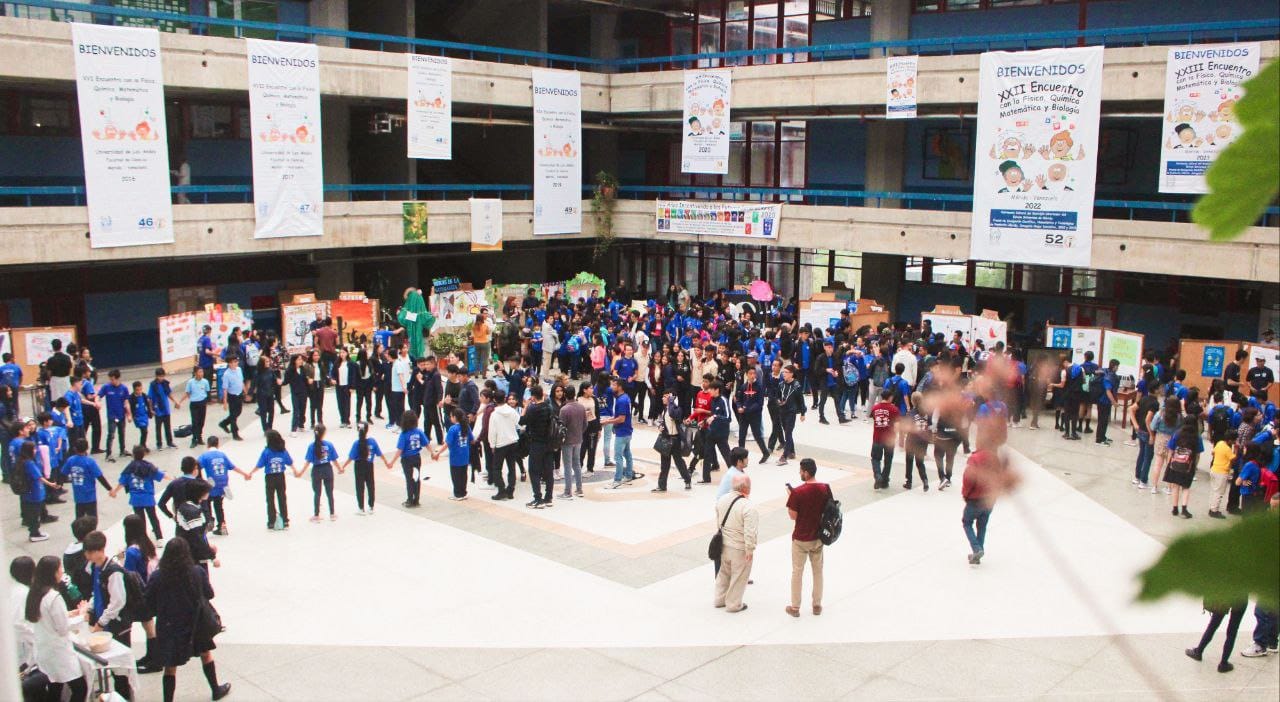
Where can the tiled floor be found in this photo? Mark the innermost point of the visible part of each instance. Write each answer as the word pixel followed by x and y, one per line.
pixel 609 596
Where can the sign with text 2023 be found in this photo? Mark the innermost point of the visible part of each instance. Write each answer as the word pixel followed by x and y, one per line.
pixel 120 90
pixel 284 118
pixel 1037 156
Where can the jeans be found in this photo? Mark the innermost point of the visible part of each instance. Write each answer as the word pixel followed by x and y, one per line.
pixel 482 353
pixel 826 392
pixel 322 478
pixel 1146 452
pixel 754 421
pixel 883 453
pixel 115 427
pixel 847 400
pixel 915 456
pixel 276 495
pixel 608 443
pixel 412 466
pixel 1264 631
pixel 299 407
pixel 624 467
pixel 571 464
pixel 944 453
pixel 975 513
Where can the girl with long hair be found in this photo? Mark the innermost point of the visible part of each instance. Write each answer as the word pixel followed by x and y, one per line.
pixel 140 557
pixel 47 611
pixel 174 594
pixel 321 455
pixel 1164 426
pixel 363 451
pixel 458 442
pixel 1184 450
pixel 365 373
pixel 296 378
pixel 409 447
pixel 274 461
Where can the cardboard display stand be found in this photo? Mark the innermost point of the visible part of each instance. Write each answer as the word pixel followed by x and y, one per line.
pixel 31 347
pixel 1192 356
pixel 1271 355
pixel 947 320
pixel 868 313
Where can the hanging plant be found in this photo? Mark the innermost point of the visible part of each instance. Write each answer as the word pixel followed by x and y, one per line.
pixel 603 201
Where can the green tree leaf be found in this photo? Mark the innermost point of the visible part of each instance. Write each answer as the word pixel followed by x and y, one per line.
pixel 1245 177
pixel 1221 565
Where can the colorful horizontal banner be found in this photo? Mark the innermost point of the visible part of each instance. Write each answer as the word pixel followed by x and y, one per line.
pixel 740 219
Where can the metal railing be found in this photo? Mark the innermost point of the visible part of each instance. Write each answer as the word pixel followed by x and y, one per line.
pixel 1145 210
pixel 1142 35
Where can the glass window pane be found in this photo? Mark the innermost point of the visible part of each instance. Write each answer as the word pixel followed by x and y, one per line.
pixel 762 159
pixel 242 120
pixel 988 274
pixel 949 271
pixel 737 164
pixel 766 8
pixel 765 36
pixel 735 10
pixel 737 131
pixel 211 121
pixel 963 4
pixel 793 153
pixel 797 34
pixel 709 11
pixel 792 131
pixel 795 7
pixel 928 5
pixel 735 39
pixel 681 40
pixel 763 131
pixel 708 43
pixel 675 177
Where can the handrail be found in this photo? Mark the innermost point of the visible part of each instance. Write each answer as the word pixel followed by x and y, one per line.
pixel 815 52
pixel 877 196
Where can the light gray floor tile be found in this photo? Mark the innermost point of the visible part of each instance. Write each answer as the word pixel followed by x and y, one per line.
pixel 564 674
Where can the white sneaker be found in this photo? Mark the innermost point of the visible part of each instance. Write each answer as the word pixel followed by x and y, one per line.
pixel 1154 490
pixel 1254 651
pixel 1168 490
pixel 1135 481
pixel 361 513
pixel 1130 443
pixel 612 486
pixel 1142 486
pixel 38 537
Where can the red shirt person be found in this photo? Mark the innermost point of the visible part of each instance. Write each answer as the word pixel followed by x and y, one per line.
pixel 884 436
pixel 805 504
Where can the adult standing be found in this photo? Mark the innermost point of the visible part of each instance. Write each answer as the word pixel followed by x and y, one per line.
pixel 537 425
pixel 1260 379
pixel 47 612
pixel 1231 376
pixel 399 373
pixel 197 397
pixel 790 403
pixel 176 593
pixel 574 417
pixel 232 397
pixel 326 340
pixel 504 438
pixel 59 366
pixel 979 490
pixel 739 522
pixel 482 339
pixel 804 505
pixel 669 426
pixel 624 467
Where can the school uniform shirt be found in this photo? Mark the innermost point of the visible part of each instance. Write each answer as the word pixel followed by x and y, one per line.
pixel 1251 472
pixel 115 397
pixel 84 474
pixel 233 381
pixel 327 453
pixel 412 442
pixel 216 466
pixel 374 450
pixel 55 438
pixel 11 375
pixel 622 408
pixel 142 491
pixel 141 415
pixel 626 369
pixel 198 390
pixel 75 408
pixel 399 371
pixel 272 462
pixel 35 489
pixel 459 445
pixel 204 349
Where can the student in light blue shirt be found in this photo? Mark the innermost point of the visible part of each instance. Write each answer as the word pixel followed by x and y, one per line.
pixel 321 455
pixel 273 461
pixel 197 395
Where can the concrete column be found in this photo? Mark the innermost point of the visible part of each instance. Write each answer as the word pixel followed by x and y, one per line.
pixel 890 20
pixel 334 276
pixel 335 129
pixel 331 14
pixel 604 30
pixel 394 17
pixel 882 276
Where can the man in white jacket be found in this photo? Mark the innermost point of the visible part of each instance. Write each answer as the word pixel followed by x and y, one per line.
pixel 550 345
pixel 741 525
pixel 906 355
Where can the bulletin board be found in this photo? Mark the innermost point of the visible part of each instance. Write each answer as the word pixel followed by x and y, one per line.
pixel 295 324
pixel 31 347
pixel 1077 339
pixel 1272 356
pixel 1191 357
pixel 948 324
pixel 869 313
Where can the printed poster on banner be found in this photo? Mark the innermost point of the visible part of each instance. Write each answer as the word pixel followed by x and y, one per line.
pixel 743 219
pixel 990 332
pixel 295 322
pixel 900 87
pixel 948 324
pixel 1085 339
pixel 120 91
pixel 707 98
pixel 1124 347
pixel 177 337
pixel 486 224
pixel 1201 87
pixel 430 108
pixel 557 152
pixel 457 308
pixel 1036 157
pixel 284 121
pixel 1213 361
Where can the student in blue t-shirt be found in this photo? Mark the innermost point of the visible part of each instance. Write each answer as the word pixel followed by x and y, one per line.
pixel 54 438
pixel 82 471
pixel 140 408
pixel 33 510
pixel 139 479
pixel 273 461
pixel 116 397
pixel 409 448
pixel 10 375
pixel 160 392
pixel 363 450
pixel 458 442
pixel 1250 480
pixel 75 408
pixel 217 467
pixel 321 455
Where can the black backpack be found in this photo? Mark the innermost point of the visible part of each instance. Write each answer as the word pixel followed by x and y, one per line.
pixel 1095 389
pixel 557 432
pixel 832 521
pixel 1219 420
pixel 19 481
pixel 135 603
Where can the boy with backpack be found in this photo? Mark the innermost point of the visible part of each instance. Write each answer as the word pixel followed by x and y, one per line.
pixel 116 600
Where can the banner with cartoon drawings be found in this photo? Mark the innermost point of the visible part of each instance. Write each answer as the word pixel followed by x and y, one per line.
pixel 284 118
pixel 1036 156
pixel 120 91
pixel 430 109
pixel 900 87
pixel 557 152
pixel 707 99
pixel 1201 86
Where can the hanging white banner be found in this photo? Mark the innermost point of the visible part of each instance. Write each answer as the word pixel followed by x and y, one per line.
pixel 744 219
pixel 707 99
pixel 900 87
pixel 120 91
pixel 430 110
pixel 1037 150
pixel 284 118
pixel 1201 86
pixel 486 224
pixel 557 152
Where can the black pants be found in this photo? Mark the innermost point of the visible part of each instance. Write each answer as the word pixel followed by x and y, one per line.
pixel 93 425
pixel 754 421
pixel 882 463
pixel 828 393
pixel 31 512
pixel 504 455
pixel 667 460
pixel 220 514
pixel 322 481
pixel 197 421
pixel 380 400
pixel 364 482
pixel 775 429
pixel 1236 612
pixel 395 407
pixel 944 454
pixel 142 434
pixel 235 403
pixel 458 476
pixel 315 396
pixel 364 401
pixel 344 404
pixel 276 495
pixel 298 402
pixel 430 420
pixel 1071 418
pixel 1104 420
pixel 540 471
pixel 79 690
pixel 115 428
pixel 150 514
pixel 122 682
pixel 86 509
pixel 267 415
pixel 412 466
pixel 164 427
pixel 590 440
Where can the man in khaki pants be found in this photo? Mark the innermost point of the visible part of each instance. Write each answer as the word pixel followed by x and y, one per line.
pixel 805 504
pixel 741 523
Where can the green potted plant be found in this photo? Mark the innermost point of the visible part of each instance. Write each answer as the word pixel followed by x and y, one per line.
pixel 603 201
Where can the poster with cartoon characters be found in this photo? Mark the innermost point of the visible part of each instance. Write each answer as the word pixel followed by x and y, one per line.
pixel 1201 86
pixel 430 109
pixel 1036 156
pixel 120 91
pixel 284 119
pixel 557 152
pixel 900 87
pixel 707 97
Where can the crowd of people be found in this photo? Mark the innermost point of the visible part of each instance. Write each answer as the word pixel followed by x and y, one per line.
pixel 570 382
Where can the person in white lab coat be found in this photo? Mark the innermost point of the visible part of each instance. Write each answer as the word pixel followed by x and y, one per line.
pixel 50 620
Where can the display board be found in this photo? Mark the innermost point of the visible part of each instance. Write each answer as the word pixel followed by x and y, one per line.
pixel 295 324
pixel 354 318
pixel 1191 358
pixel 32 346
pixel 583 286
pixel 820 314
pixel 457 308
pixel 990 330
pixel 868 313
pixel 1125 347
pixel 178 335
pixel 949 324
pixel 1078 339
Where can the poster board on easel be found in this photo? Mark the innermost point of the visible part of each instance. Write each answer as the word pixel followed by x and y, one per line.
pixel 1205 360
pixel 1125 347
pixel 178 335
pixel 1271 357
pixel 947 320
pixel 1077 339
pixel 32 346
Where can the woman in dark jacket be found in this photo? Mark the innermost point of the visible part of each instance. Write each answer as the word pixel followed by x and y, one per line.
pixel 174 593
pixel 266 392
pixel 296 378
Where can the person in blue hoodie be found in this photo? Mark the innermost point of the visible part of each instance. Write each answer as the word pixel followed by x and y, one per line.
pixel 160 393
